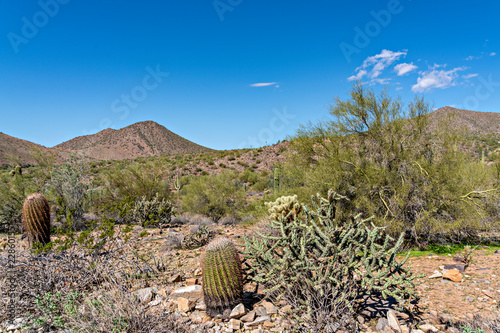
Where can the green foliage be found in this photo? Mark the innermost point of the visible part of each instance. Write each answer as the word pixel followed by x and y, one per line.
pixel 383 156
pixel 322 262
pixel 154 211
pixel 222 276
pixel 71 185
pixel 36 219
pixel 55 307
pixel 215 196
pixel 285 207
pixel 197 239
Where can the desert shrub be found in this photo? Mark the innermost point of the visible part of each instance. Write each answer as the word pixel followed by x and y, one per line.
pixel 214 196
pixel 383 155
pixel 72 187
pixel 322 263
pixel 124 186
pixel 155 211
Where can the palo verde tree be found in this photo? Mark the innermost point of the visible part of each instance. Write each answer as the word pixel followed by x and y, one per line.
pixel 382 154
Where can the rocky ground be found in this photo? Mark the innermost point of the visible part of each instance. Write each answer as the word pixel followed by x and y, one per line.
pixel 452 294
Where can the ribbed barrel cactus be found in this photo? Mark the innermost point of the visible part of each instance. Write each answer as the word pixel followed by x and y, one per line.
pixel 222 276
pixel 36 218
pixel 286 206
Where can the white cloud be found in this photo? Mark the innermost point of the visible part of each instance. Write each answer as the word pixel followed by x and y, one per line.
pixel 377 63
pixel 469 58
pixel 404 68
pixel 399 88
pixel 380 81
pixel 469 76
pixel 434 78
pixel 358 76
pixel 493 54
pixel 264 84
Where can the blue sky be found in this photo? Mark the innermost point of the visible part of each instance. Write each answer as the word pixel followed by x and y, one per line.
pixel 233 73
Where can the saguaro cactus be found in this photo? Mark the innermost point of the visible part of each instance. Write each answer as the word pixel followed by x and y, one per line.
pixel 36 218
pixel 222 276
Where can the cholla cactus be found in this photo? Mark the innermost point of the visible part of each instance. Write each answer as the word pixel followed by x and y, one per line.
pixel 36 218
pixel 284 206
pixel 222 276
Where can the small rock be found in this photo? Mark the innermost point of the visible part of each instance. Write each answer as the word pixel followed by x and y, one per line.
pixel 270 308
pixel 417 331
pixel 145 295
pixel 234 324
pixel 257 321
pixel 199 316
pixel 155 302
pixel 393 321
pixel 428 328
pixel 260 311
pixel 436 274
pixel 238 311
pixel 381 324
pixel 458 267
pixel 469 299
pixel 194 293
pixel 191 282
pixel 453 330
pixel 453 275
pixel 185 305
pixel 249 317
pixel 175 278
pixel 201 306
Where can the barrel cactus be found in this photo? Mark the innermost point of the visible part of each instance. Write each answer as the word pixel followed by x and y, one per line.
pixel 286 206
pixel 222 276
pixel 36 218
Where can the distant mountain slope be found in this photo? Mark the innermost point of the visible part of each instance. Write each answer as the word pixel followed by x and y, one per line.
pixel 19 149
pixel 478 123
pixel 141 139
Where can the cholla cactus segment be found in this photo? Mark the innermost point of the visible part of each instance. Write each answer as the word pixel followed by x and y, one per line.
pixel 36 218
pixel 286 206
pixel 222 276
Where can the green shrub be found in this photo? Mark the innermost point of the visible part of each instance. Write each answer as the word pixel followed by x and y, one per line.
pixel 155 211
pixel 214 196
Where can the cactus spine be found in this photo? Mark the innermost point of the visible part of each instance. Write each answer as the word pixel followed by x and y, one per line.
pixel 36 218
pixel 222 276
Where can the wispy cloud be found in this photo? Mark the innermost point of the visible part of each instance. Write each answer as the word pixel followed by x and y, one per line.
pixel 493 54
pixel 469 76
pixel 404 68
pixel 469 58
pixel 263 84
pixel 434 78
pixel 373 66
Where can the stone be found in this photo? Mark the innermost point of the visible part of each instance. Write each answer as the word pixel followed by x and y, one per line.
pixel 193 293
pixel 405 329
pixel 249 317
pixel 234 324
pixel 257 321
pixel 459 267
pixel 191 282
pixel 435 275
pixel 199 316
pixel 162 292
pixel 469 299
pixel 260 311
pixel 201 306
pixel 175 278
pixel 173 240
pixel 184 304
pixel 270 308
pixel 393 321
pixel 417 331
pixel 453 330
pixel 428 328
pixel 381 324
pixel 238 311
pixel 453 275
pixel 145 295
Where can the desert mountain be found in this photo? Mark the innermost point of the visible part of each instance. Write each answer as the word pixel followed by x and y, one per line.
pixel 475 122
pixel 18 149
pixel 141 139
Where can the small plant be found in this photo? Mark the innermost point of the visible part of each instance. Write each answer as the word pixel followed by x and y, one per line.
pixel 157 210
pixel 222 276
pixel 198 239
pixel 468 253
pixel 36 219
